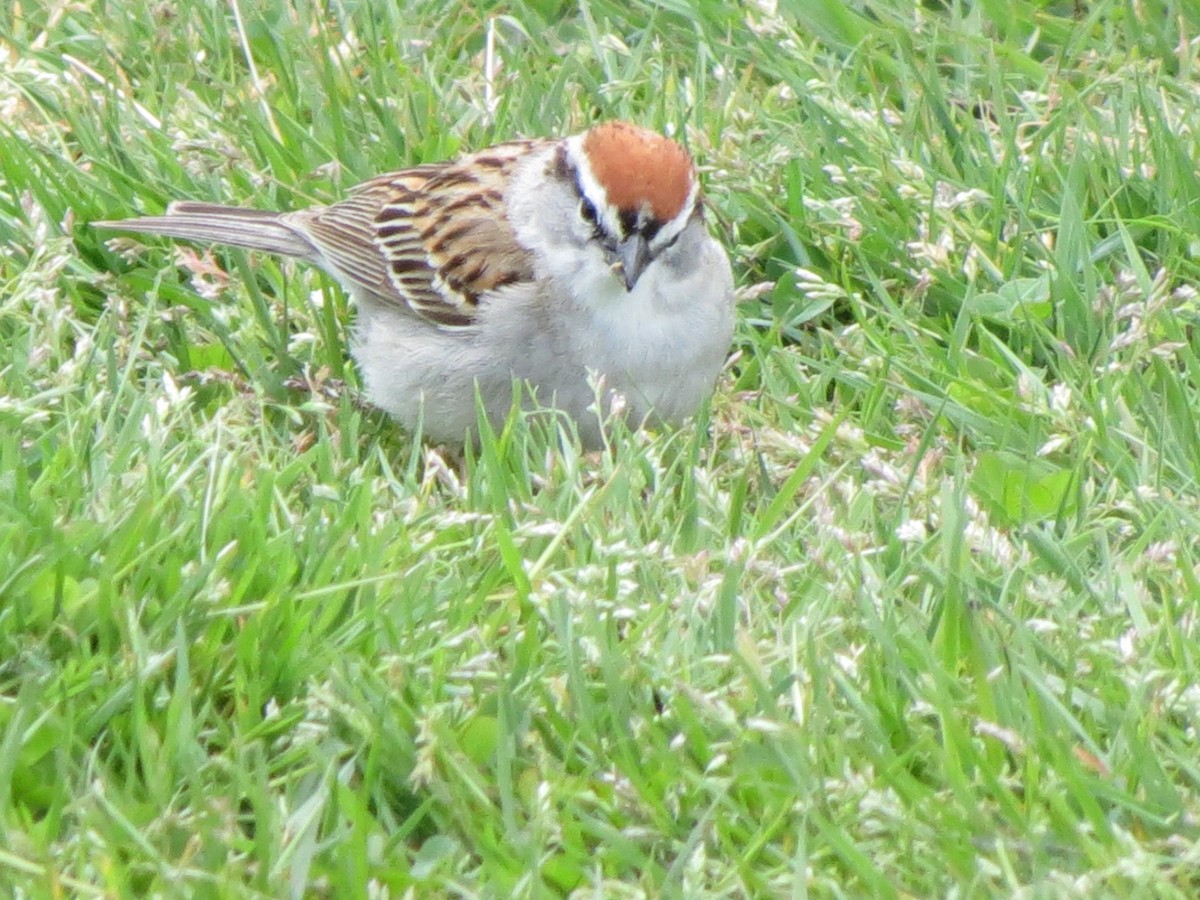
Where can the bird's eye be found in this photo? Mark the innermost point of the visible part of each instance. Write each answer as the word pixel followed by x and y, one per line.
pixel 587 211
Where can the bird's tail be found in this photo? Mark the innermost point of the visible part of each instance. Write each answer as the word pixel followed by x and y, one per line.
pixel 254 229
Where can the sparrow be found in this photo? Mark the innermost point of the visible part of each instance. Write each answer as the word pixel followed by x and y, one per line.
pixel 580 268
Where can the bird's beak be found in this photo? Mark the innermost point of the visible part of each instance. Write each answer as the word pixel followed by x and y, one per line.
pixel 633 255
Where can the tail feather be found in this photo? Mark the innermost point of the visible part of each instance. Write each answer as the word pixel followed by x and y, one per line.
pixel 254 229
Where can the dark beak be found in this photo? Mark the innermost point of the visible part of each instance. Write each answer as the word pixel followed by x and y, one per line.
pixel 633 254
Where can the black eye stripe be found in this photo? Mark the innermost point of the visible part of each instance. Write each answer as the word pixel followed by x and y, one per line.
pixel 629 221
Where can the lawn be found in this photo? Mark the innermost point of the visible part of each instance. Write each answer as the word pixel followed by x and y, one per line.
pixel 911 610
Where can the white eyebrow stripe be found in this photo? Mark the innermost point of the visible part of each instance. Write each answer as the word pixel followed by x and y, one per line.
pixel 674 227
pixel 591 189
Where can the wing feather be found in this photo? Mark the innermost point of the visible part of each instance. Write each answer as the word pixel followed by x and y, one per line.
pixel 434 238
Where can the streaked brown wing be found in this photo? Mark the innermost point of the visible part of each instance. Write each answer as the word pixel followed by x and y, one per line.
pixel 434 238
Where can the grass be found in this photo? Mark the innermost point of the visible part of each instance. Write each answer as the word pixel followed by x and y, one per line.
pixel 911 611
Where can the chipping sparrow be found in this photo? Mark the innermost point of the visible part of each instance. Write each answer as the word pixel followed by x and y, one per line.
pixel 535 260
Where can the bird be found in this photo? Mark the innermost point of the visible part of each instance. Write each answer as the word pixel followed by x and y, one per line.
pixel 578 271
